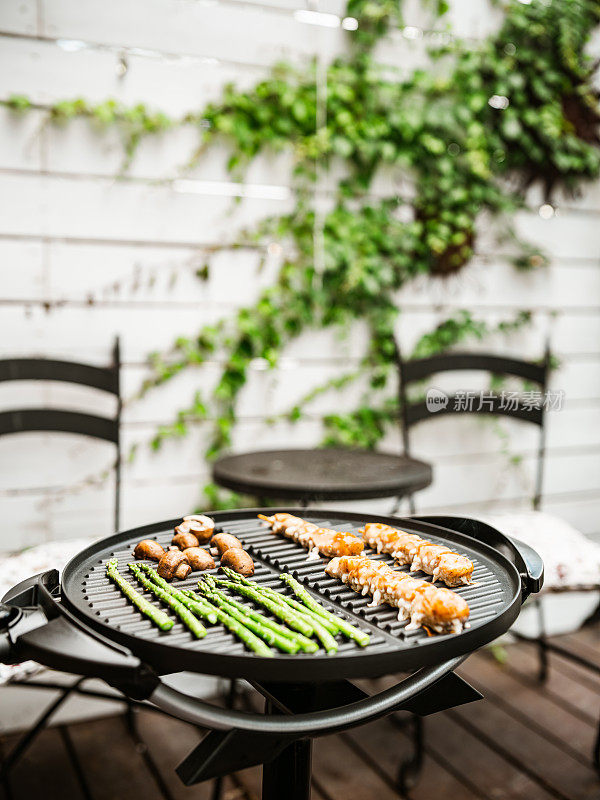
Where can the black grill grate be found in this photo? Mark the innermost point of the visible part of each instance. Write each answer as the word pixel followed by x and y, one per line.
pixel 86 587
pixel 485 597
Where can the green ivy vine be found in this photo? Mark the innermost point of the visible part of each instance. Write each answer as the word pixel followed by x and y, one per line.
pixel 469 135
pixel 473 135
pixel 133 122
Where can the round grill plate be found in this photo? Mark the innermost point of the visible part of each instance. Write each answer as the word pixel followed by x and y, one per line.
pixel 494 599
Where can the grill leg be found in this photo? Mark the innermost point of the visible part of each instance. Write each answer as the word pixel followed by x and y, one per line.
pixel 410 770
pixel 229 703
pixel 288 775
pixel 398 501
pixel 411 503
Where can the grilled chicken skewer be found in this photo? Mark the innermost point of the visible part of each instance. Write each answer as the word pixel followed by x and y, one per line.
pixel 322 541
pixel 408 548
pixel 440 610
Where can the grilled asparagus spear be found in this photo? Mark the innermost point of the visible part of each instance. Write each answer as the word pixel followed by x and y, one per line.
pixel 280 598
pixel 360 637
pixel 281 611
pixel 211 584
pixel 317 621
pixel 322 628
pixel 306 645
pixel 196 605
pixel 332 627
pixel 284 643
pixel 184 614
pixel 157 615
pixel 251 641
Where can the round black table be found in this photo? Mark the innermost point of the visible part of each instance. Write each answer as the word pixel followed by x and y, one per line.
pixel 324 474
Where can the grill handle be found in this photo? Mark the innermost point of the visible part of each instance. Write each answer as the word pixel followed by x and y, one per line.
pixel 533 564
pixel 34 625
pixel 524 557
pixel 319 723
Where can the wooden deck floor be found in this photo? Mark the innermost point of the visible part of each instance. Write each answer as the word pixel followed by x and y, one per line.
pixel 523 742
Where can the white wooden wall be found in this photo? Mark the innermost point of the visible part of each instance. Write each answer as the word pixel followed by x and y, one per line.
pixel 70 231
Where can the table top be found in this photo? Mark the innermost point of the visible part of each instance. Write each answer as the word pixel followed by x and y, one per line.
pixel 321 474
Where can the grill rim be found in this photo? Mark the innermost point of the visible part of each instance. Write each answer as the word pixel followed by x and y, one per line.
pixel 168 658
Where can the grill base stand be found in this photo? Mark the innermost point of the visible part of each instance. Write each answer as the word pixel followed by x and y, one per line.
pixel 223 752
pixel 286 760
pixel 288 774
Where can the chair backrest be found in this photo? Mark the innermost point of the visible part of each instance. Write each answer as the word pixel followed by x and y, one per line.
pixel 106 379
pixel 416 370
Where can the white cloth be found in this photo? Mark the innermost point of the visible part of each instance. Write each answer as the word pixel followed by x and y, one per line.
pixel 571 560
pixel 17 567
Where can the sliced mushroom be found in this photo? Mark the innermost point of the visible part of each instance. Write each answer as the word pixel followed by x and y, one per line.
pixel 202 518
pixel 225 541
pixel 199 559
pixel 170 564
pixel 183 527
pixel 239 561
pixel 200 531
pixel 201 526
pixel 184 539
pixel 148 548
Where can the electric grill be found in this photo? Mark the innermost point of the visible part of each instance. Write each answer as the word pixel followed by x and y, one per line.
pixel 85 626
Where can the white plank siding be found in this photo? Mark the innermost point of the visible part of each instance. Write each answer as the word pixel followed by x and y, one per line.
pixel 86 256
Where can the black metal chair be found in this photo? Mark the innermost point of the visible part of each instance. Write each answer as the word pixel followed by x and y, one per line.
pixel 418 370
pixel 414 372
pixel 105 379
pixel 412 413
